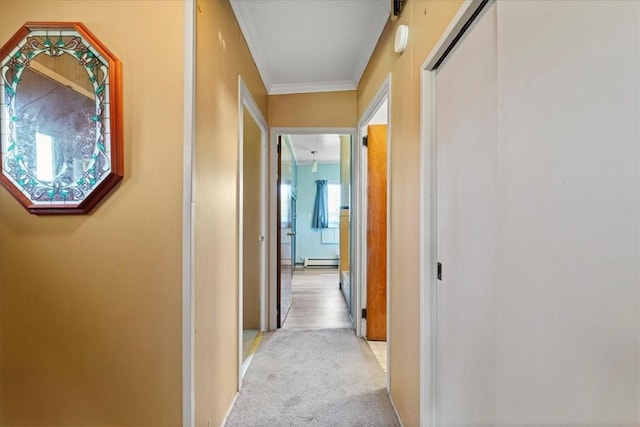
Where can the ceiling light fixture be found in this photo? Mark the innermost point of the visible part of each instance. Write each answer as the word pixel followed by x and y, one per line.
pixel 314 163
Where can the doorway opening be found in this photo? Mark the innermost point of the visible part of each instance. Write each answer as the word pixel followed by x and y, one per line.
pixel 311 201
pixel 252 250
pixel 372 229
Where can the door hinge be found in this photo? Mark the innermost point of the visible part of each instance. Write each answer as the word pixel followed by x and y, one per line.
pixel 365 141
pixel 439 271
pixel 364 313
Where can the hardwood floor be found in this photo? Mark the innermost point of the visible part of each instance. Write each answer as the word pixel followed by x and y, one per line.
pixel 317 301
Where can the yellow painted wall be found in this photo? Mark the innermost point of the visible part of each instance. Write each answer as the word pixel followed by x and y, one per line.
pixel 251 186
pixel 222 54
pixel 322 109
pixel 90 306
pixel 426 20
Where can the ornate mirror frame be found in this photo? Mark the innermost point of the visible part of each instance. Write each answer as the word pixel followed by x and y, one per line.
pixel 60 118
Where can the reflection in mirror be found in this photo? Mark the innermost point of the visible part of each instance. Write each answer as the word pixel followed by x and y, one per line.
pixel 58 118
pixel 55 144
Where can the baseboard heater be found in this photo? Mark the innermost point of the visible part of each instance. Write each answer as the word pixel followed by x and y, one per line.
pixel 321 262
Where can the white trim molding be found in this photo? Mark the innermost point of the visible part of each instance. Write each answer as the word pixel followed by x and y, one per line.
pixel 226 416
pixel 360 216
pixel 328 86
pixel 246 100
pixel 243 17
pixel 395 409
pixel 188 200
pixel 375 30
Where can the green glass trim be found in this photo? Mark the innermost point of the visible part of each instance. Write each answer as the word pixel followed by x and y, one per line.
pixel 14 164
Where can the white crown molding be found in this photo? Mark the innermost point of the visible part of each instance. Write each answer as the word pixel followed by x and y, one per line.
pixel 243 16
pixel 247 26
pixel 375 30
pixel 330 86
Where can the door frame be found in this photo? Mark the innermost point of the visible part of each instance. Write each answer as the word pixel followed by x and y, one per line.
pixel 246 100
pixel 360 172
pixel 272 231
pixel 280 316
pixel 188 225
pixel 461 22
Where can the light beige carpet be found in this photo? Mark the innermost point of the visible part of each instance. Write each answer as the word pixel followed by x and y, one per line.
pixel 325 377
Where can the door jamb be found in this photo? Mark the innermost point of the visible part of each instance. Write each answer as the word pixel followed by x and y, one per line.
pixel 188 223
pixel 272 205
pixel 360 220
pixel 246 100
pixel 428 209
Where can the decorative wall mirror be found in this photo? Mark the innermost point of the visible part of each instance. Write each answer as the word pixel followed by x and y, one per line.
pixel 60 118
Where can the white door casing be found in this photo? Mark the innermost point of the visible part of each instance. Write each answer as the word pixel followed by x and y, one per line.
pixel 245 100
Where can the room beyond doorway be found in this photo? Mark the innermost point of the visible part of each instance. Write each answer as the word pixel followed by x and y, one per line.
pixel 311 202
pixel 317 300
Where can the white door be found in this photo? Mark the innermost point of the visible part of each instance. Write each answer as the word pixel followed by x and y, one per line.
pixel 538 217
pixel 466 215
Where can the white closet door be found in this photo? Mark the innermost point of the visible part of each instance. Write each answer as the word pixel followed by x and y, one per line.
pixel 466 212
pixel 567 304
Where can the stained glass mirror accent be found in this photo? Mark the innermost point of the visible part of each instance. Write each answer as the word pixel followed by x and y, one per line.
pixel 60 118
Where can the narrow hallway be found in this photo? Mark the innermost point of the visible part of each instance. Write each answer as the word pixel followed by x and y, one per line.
pixel 320 377
pixel 314 371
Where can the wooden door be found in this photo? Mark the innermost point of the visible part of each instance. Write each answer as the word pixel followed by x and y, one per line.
pixel 377 233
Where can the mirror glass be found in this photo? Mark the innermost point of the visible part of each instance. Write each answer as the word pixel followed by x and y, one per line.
pixel 57 148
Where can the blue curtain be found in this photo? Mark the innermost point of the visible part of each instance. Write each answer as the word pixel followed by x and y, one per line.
pixel 320 217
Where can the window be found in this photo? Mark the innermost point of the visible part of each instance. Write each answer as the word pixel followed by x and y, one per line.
pixel 334 204
pixel 285 205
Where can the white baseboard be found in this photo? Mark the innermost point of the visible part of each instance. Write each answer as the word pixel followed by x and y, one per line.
pixel 246 363
pixel 226 416
pixel 393 405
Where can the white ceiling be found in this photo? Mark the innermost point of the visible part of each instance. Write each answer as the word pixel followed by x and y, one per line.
pixel 304 46
pixel 327 146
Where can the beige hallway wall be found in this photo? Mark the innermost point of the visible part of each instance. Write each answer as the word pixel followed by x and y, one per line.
pixel 322 109
pixel 222 55
pixel 426 20
pixel 90 306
